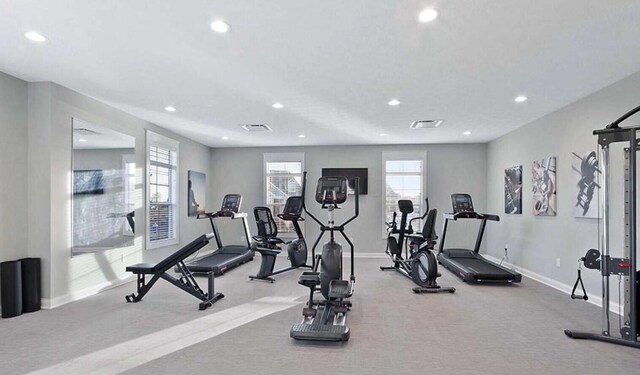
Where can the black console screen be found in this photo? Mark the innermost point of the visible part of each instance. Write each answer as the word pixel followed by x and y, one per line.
pixel 331 190
pixel 231 203
pixel 461 203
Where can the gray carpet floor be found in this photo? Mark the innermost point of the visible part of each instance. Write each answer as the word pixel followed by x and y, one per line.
pixel 479 329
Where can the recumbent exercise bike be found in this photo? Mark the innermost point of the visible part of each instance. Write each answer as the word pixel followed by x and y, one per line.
pixel 268 244
pixel 419 263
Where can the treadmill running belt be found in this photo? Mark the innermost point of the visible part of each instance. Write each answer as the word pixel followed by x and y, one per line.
pixel 484 270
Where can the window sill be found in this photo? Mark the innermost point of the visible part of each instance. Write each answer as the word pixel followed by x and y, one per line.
pixel 161 243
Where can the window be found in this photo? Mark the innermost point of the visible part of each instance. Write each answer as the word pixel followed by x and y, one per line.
pixel 283 179
pixel 404 179
pixel 162 191
pixel 129 168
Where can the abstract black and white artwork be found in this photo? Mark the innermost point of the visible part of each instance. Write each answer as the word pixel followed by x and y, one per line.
pixel 513 190
pixel 543 177
pixel 586 173
pixel 197 194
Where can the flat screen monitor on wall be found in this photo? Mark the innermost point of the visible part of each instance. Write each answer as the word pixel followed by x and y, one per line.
pixel 350 174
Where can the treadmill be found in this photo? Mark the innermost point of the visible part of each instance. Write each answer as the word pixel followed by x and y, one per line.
pixel 229 256
pixel 468 264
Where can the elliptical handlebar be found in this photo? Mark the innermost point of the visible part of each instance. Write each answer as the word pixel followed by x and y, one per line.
pixel 304 200
pixel 357 208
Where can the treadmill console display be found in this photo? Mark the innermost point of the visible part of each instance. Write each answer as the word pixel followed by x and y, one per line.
pixel 231 204
pixel 462 203
pixel 331 190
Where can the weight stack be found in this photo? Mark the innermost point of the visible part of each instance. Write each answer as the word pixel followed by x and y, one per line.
pixel 11 288
pixel 31 286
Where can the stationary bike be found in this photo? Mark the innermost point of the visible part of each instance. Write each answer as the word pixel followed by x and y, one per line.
pixel 268 244
pixel 326 320
pixel 419 264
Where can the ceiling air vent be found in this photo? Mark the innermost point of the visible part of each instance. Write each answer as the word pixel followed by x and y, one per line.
pixel 256 127
pixel 426 124
pixel 85 131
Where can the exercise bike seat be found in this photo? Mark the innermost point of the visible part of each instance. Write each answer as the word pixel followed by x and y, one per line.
pixel 340 289
pixel 309 279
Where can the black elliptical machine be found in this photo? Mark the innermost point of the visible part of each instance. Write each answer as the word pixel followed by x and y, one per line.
pixel 326 320
pixel 419 263
pixel 267 242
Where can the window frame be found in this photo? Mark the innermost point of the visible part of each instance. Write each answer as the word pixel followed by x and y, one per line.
pixel 157 140
pixel 281 157
pixel 402 156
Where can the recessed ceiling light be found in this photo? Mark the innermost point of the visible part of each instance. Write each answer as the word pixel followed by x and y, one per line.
pixel 82 140
pixel 301 136
pixel 277 105
pixel 220 26
pixel 428 15
pixel 467 133
pixel 224 137
pixel 383 134
pixel 35 37
pixel 393 102
pixel 520 99
pixel 170 108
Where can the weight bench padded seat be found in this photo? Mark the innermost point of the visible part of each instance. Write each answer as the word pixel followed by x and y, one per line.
pixel 144 268
pixel 186 282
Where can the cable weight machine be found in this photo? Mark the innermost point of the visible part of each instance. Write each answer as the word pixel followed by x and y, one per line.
pixel 624 268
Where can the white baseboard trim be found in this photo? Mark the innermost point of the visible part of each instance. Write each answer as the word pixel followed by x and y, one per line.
pixel 593 299
pixel 51 303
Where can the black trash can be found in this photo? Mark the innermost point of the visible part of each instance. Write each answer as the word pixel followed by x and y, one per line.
pixel 31 287
pixel 11 288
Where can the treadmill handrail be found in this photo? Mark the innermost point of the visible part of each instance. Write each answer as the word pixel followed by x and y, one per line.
pixel 229 214
pixel 470 215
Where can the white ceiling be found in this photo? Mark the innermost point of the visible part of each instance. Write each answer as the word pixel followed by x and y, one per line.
pixel 334 64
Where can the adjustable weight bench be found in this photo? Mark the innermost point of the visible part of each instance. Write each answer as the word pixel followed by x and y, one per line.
pixel 186 282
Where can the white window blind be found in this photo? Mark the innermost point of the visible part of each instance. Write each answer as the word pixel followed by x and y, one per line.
pixel 283 179
pixel 162 188
pixel 404 179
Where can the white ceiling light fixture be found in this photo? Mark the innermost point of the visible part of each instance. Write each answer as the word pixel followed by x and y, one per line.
pixel 520 99
pixel 35 37
pixel 278 105
pixel 170 108
pixel 467 132
pixel 224 137
pixel 82 140
pixel 301 136
pixel 393 102
pixel 383 134
pixel 220 26
pixel 428 15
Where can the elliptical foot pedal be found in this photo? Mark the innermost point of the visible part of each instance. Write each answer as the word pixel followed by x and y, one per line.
pixel 309 279
pixel 341 309
pixel 309 312
pixel 339 289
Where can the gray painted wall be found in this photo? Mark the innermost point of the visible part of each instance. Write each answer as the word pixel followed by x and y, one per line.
pixel 13 168
pixel 450 168
pixel 536 242
pixel 51 109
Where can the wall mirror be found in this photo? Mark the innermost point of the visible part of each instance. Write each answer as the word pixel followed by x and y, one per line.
pixel 103 181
